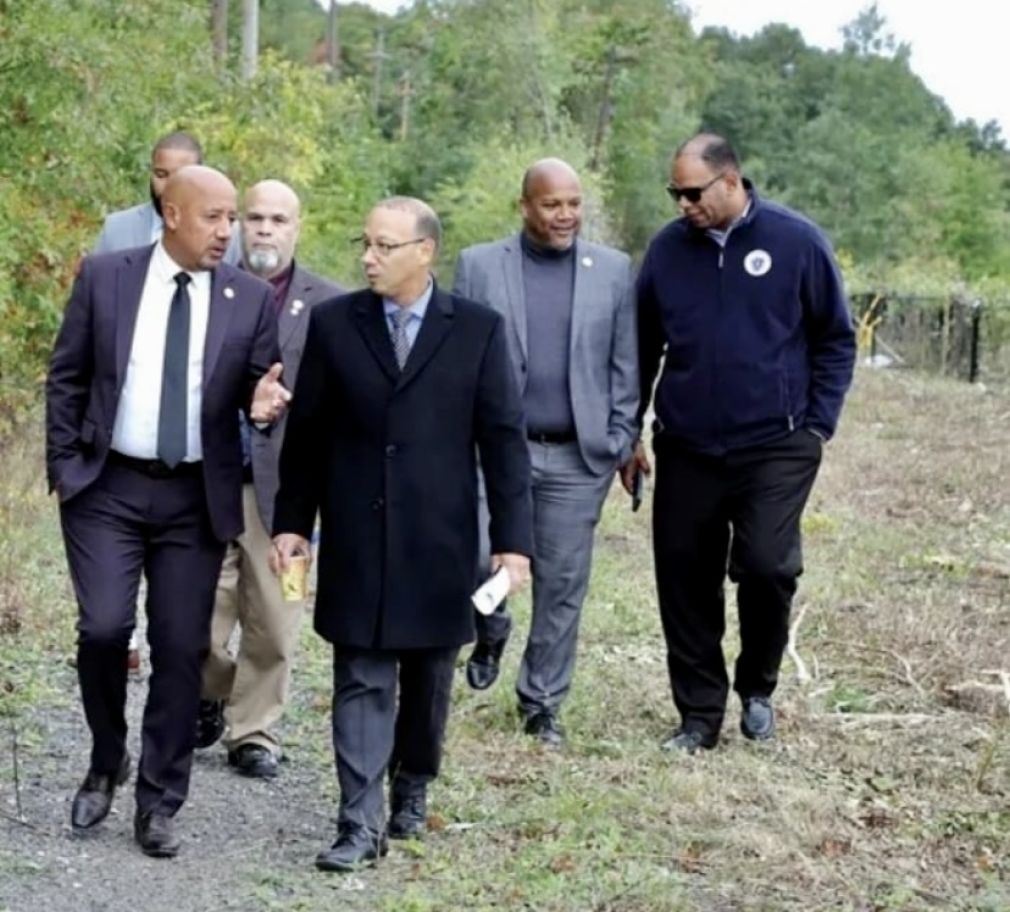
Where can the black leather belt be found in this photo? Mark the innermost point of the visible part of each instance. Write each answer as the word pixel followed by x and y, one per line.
pixel 155 468
pixel 551 437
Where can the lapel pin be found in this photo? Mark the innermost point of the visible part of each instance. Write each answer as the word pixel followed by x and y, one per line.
pixel 587 261
pixel 229 292
pixel 296 307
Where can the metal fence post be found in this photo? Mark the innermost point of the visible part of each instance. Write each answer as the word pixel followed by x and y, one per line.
pixel 976 330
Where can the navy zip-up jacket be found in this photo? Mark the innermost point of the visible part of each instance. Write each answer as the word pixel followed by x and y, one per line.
pixel 757 336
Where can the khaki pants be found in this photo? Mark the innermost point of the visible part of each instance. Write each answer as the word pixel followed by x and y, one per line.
pixel 254 683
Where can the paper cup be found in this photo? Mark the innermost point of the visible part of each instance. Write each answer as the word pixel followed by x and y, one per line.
pixel 294 579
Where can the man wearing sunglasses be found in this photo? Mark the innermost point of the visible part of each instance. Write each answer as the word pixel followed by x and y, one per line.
pixel 742 301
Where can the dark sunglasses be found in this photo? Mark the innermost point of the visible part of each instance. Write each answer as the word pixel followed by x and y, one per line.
pixel 691 194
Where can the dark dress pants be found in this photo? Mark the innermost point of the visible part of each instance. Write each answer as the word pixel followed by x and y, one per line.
pixel 743 507
pixel 125 524
pixel 374 737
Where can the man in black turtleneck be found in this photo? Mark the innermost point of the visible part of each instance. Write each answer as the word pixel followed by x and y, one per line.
pixel 572 342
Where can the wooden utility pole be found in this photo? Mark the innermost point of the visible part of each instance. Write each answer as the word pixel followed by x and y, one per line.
pixel 250 38
pixel 219 32
pixel 378 56
pixel 406 91
pixel 333 44
pixel 606 108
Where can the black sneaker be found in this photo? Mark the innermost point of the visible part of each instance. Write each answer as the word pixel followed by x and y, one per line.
pixel 758 719
pixel 689 741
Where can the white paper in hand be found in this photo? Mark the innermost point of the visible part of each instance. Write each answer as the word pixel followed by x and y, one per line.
pixel 492 593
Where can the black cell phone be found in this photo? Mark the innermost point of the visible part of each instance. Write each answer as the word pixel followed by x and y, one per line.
pixel 637 486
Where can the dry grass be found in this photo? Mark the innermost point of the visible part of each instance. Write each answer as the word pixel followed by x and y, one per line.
pixel 888 788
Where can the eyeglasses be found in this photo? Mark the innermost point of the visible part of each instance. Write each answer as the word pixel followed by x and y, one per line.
pixel 383 248
pixel 691 194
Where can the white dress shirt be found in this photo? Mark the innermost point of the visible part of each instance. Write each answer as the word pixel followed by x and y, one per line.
pixel 135 432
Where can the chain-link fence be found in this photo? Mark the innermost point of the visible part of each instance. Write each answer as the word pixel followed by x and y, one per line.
pixel 959 337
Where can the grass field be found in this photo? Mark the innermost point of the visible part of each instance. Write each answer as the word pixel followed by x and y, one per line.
pixel 887 789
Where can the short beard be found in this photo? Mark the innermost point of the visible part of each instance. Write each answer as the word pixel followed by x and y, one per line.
pixel 263 262
pixel 155 200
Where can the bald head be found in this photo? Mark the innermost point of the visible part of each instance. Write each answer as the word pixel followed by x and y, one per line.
pixel 551 203
pixel 199 207
pixel 705 182
pixel 271 221
pixel 426 222
pixel 713 149
pixel 547 169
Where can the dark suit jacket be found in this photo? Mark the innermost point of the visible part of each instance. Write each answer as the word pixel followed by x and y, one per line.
pixel 305 291
pixel 389 459
pixel 88 368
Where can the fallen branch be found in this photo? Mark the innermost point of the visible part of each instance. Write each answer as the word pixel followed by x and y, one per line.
pixel 13 818
pixel 906 666
pixel 886 718
pixel 802 675
pixel 17 775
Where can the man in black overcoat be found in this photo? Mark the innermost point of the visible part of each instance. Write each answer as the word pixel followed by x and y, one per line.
pixel 401 386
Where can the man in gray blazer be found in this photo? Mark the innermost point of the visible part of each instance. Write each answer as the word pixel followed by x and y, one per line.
pixel 141 226
pixel 569 306
pixel 247 692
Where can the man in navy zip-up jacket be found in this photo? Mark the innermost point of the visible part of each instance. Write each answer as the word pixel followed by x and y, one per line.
pixel 742 300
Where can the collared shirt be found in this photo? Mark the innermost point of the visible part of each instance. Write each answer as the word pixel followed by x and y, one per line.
pixel 281 284
pixel 417 310
pixel 135 432
pixel 720 237
pixel 157 228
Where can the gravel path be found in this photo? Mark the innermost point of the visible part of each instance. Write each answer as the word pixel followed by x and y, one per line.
pixel 235 831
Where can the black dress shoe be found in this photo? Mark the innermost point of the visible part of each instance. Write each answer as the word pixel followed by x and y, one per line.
pixel 93 800
pixel 689 741
pixel 209 722
pixel 409 817
pixel 253 760
pixel 356 847
pixel 484 664
pixel 156 834
pixel 544 727
pixel 758 719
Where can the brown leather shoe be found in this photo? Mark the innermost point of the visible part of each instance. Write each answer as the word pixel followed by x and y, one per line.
pixel 156 834
pixel 93 800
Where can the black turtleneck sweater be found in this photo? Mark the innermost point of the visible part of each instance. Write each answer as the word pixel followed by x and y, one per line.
pixel 548 285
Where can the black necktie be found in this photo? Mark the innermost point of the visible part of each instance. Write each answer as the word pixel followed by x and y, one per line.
pixel 174 385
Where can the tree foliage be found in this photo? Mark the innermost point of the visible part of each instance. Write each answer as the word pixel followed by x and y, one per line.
pixel 450 100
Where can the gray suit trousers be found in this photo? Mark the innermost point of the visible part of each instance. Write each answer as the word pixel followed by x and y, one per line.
pixel 567 502
pixel 373 736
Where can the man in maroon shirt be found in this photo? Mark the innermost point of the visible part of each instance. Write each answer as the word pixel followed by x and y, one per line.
pixel 246 693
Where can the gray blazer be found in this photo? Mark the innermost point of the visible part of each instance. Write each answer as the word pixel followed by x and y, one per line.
pixel 129 228
pixel 603 349
pixel 305 291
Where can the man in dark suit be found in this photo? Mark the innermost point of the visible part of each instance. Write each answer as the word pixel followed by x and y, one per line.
pixel 160 347
pixel 143 225
pixel 247 692
pixel 400 387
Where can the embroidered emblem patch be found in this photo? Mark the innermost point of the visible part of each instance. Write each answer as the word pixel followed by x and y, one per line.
pixel 757 263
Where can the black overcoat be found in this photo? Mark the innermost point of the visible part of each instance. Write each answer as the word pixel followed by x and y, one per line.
pixel 389 460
